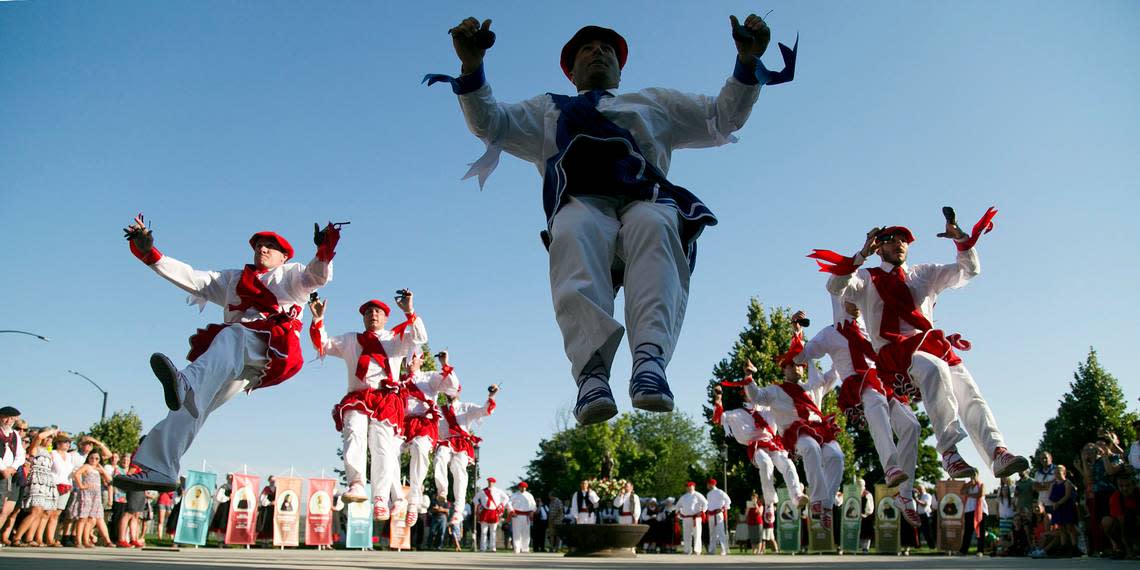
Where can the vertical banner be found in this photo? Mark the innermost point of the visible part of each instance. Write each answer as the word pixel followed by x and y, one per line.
pixel 194 514
pixel 850 519
pixel 399 533
pixel 820 539
pixel 318 521
pixel 887 519
pixel 787 523
pixel 287 512
pixel 951 508
pixel 242 526
pixel 358 533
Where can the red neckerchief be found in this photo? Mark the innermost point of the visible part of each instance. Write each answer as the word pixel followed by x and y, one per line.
pixel 898 304
pixel 254 294
pixel 804 404
pixel 858 345
pixel 372 349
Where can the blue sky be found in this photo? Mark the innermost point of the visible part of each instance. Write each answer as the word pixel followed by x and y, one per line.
pixel 218 119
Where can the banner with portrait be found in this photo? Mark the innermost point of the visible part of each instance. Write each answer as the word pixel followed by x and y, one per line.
pixel 887 520
pixel 951 507
pixel 287 508
pixel 318 520
pixel 399 533
pixel 820 539
pixel 787 523
pixel 850 519
pixel 358 531
pixel 242 525
pixel 194 511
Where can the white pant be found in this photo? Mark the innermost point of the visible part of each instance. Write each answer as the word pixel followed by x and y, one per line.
pixel 951 399
pixel 488 536
pixel 885 420
pixel 418 450
pixel 446 459
pixel 520 533
pixel 717 533
pixel 362 435
pixel 764 462
pixel 234 361
pixel 823 466
pixel 593 236
pixel 691 534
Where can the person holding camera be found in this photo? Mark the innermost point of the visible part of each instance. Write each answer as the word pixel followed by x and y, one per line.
pixel 865 401
pixel 613 219
pixel 421 418
pixel 370 417
pixel 456 448
pixel 257 345
pixel 898 302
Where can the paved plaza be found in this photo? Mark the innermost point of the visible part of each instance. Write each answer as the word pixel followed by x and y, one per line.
pixel 189 558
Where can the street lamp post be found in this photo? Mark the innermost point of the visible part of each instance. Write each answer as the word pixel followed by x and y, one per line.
pixel 103 415
pixel 41 337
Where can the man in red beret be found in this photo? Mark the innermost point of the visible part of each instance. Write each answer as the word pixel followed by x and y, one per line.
pixel 692 506
pixel 613 219
pixel 491 503
pixel 897 301
pixel 257 345
pixel 522 512
pixel 422 416
pixel 455 451
pixel 370 417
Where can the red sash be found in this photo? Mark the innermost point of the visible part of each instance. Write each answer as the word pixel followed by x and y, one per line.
pixel 459 439
pixel 491 512
pixel 895 357
pixel 823 430
pixel 423 425
pixel 858 346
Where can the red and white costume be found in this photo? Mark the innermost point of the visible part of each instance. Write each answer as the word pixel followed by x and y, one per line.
pixel 917 359
pixel 257 345
pixel 691 508
pixel 862 395
pixel 717 509
pixel 370 417
pixel 753 427
pixel 456 447
pixel 492 503
pixel 422 417
pixel 795 408
pixel 523 506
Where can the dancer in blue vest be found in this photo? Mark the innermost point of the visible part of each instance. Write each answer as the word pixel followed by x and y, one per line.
pixel 613 219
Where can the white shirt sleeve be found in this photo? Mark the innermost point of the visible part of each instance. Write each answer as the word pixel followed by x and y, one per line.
pixel 951 275
pixel 448 384
pixel 304 279
pixel 699 121
pixel 848 287
pixel 209 285
pixel 518 128
pixel 331 345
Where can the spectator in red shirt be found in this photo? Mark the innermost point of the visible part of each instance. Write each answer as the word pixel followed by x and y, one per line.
pixel 1124 511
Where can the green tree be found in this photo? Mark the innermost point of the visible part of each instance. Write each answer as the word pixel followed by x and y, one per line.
pixel 120 432
pixel 655 452
pixel 1094 400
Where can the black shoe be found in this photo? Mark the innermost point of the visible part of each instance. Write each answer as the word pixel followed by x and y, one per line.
pixel 595 400
pixel 648 387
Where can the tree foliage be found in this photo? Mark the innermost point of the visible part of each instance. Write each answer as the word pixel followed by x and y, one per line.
pixel 1094 400
pixel 120 432
pixel 658 453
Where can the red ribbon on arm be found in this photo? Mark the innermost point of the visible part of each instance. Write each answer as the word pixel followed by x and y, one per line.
pixel 738 383
pixel 984 226
pixel 400 328
pixel 315 336
pixel 149 258
pixel 840 264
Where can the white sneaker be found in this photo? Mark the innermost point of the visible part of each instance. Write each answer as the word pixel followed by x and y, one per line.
pixel 380 510
pixel 355 494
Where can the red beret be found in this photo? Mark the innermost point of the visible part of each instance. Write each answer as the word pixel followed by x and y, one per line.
pixel 893 230
pixel 491 480
pixel 712 482
pixel 690 484
pixel 587 35
pixel 376 303
pixel 523 485
pixel 282 243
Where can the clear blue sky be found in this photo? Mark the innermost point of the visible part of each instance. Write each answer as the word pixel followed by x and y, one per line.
pixel 218 119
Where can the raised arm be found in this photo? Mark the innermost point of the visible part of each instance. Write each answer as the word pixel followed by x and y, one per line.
pixel 446 381
pixel 848 285
pixel 322 342
pixel 207 285
pixel 318 272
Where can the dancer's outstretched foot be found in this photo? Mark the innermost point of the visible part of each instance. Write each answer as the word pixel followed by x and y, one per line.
pixel 174 388
pixel 907 507
pixel 894 476
pixel 1006 464
pixel 355 494
pixel 380 510
pixel 648 387
pixel 595 400
pixel 145 480
pixel 955 466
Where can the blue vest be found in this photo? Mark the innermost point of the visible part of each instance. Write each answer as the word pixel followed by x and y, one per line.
pixel 597 157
